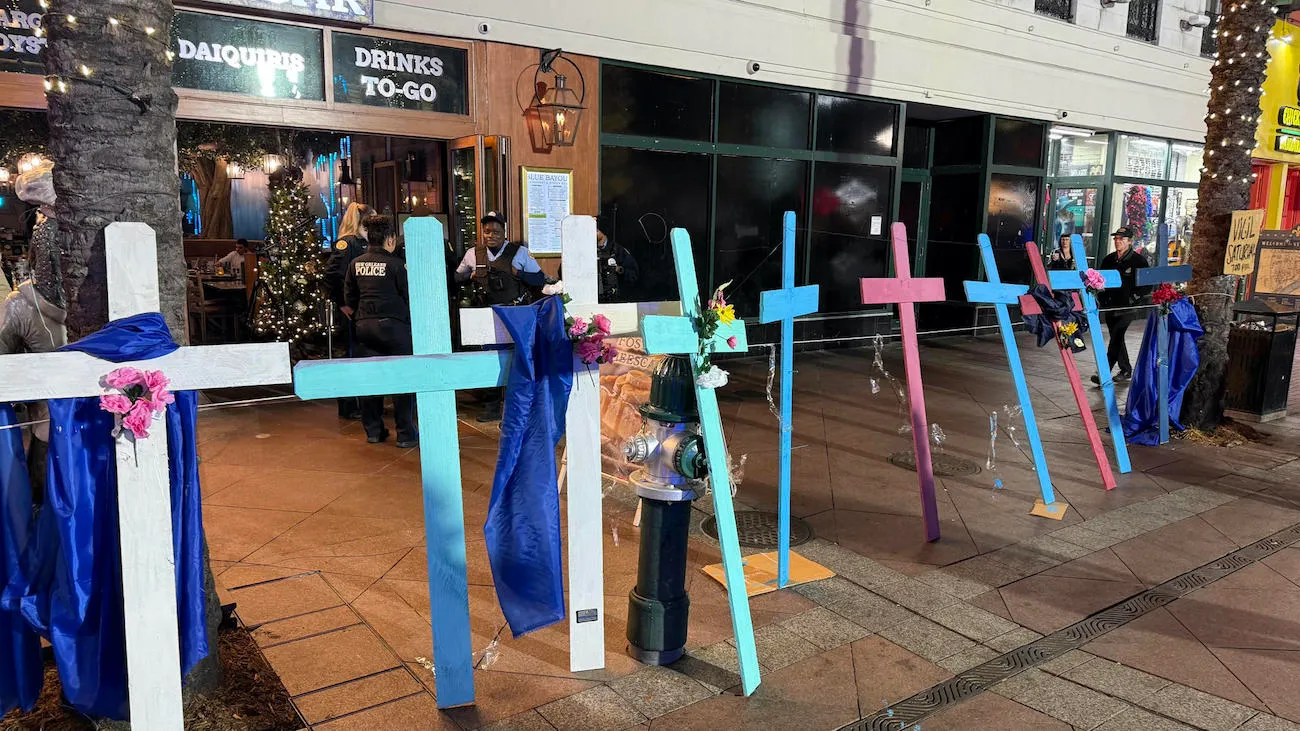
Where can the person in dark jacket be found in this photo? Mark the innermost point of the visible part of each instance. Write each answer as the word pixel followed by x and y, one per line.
pixel 375 290
pixel 350 245
pixel 617 267
pixel 1127 261
pixel 1063 257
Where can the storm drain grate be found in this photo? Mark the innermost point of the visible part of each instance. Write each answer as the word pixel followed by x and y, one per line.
pixel 758 529
pixel 945 465
pixel 909 713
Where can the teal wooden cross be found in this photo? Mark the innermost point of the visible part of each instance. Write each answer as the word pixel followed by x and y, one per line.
pixel 434 374
pixel 785 304
pixel 1000 295
pixel 1159 275
pixel 678 336
pixel 1073 279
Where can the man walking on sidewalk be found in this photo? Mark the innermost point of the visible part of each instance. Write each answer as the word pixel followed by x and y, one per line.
pixel 1127 261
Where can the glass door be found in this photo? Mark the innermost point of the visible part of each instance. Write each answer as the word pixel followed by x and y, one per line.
pixel 466 162
pixel 914 212
pixel 1073 211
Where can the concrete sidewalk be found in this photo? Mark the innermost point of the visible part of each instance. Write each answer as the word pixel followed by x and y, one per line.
pixel 319 538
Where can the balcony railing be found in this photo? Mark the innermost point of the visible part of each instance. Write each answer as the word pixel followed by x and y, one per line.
pixel 1063 9
pixel 1143 20
pixel 1209 42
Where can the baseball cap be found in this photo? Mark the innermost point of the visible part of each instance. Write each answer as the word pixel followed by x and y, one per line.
pixel 493 217
pixel 1124 231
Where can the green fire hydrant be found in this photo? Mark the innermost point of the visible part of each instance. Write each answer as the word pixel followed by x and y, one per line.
pixel 671 451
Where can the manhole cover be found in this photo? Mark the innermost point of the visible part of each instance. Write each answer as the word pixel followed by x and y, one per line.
pixel 758 529
pixel 945 465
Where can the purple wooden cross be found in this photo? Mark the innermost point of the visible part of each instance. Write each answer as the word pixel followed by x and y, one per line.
pixel 905 291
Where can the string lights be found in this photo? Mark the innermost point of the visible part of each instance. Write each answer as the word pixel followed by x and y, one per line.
pixel 58 83
pixel 1244 34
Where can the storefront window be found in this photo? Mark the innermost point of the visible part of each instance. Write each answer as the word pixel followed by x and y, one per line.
pixel 856 126
pixel 850 212
pixel 639 102
pixel 1073 156
pixel 1075 212
pixel 1141 157
pixel 753 195
pixel 1138 207
pixel 763 116
pixel 1180 218
pixel 1186 163
pixel 1017 142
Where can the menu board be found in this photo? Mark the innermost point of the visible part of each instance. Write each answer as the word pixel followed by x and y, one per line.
pixel 385 72
pixel 548 198
pixel 253 57
pixel 20 47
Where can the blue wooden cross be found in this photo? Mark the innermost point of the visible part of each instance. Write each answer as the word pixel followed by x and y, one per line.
pixel 677 335
pixel 1000 295
pixel 1068 279
pixel 1150 276
pixel 434 374
pixel 785 304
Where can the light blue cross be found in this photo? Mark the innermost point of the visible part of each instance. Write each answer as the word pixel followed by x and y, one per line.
pixel 434 374
pixel 677 335
pixel 1073 279
pixel 1151 276
pixel 785 304
pixel 1000 295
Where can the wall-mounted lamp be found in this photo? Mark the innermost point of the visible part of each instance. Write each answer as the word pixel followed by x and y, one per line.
pixel 1112 3
pixel 558 107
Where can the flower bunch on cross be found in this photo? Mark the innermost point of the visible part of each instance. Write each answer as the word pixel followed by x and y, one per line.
pixel 139 395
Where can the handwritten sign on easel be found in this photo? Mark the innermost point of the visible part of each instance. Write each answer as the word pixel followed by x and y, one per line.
pixel 1243 239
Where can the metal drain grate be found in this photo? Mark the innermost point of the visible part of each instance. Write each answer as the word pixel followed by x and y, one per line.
pixel 758 529
pixel 945 465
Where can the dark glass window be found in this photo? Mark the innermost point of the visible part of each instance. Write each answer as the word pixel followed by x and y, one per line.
pixel 637 102
pixel 959 142
pixel 1143 20
pixel 1017 142
pixel 753 195
pixel 1063 9
pixel 1013 208
pixel 1209 39
pixel 760 115
pixel 856 126
pixel 916 146
pixel 850 224
pixel 644 195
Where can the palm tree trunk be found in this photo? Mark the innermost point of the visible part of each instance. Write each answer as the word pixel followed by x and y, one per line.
pixel 1232 118
pixel 113 140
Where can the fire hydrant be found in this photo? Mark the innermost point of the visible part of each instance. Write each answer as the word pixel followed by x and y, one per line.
pixel 672 451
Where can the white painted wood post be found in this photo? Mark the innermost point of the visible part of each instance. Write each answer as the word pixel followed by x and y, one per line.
pixel 143 476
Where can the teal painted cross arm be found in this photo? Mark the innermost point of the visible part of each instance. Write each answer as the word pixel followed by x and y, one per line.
pixel 663 337
pixel 1001 295
pixel 1073 280
pixel 1161 274
pixel 905 291
pixel 785 304
pixel 433 374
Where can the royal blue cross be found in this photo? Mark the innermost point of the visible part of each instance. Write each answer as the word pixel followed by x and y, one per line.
pixel 434 374
pixel 1073 279
pixel 1151 276
pixel 678 336
pixel 785 304
pixel 1000 295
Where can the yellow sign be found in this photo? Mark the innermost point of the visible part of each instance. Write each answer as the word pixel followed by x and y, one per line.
pixel 1243 239
pixel 1279 106
pixel 1288 143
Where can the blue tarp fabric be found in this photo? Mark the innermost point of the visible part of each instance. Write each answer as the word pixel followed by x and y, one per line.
pixel 1141 418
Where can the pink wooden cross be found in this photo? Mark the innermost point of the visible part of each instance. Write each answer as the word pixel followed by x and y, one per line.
pixel 1029 306
pixel 905 291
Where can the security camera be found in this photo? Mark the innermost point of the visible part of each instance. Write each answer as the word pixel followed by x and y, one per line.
pixel 753 67
pixel 1062 114
pixel 1194 21
pixel 484 29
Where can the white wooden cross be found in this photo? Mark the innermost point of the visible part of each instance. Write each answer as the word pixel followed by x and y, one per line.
pixel 479 326
pixel 144 492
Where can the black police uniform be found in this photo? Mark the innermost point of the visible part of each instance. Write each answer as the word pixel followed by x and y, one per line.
pixel 344 252
pixel 376 290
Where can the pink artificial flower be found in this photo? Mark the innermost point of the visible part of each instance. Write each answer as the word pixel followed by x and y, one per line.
pixel 579 328
pixel 115 403
pixel 732 342
pixel 1093 279
pixel 161 399
pixel 608 353
pixel 139 419
pixel 603 324
pixel 588 351
pixel 124 378
pixel 155 381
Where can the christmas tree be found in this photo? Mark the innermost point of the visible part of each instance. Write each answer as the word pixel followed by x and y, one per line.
pixel 291 309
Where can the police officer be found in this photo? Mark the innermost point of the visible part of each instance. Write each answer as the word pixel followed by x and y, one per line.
pixel 351 244
pixel 376 291
pixel 511 270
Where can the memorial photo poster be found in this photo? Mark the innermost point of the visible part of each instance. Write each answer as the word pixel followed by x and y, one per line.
pixel 624 387
pixel 547 199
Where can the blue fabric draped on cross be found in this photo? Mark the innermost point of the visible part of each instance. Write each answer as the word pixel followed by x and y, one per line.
pixel 74 596
pixel 523 523
pixel 21 671
pixel 1142 417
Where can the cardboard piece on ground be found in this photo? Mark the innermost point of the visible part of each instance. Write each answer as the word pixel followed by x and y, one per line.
pixel 1055 511
pixel 761 570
